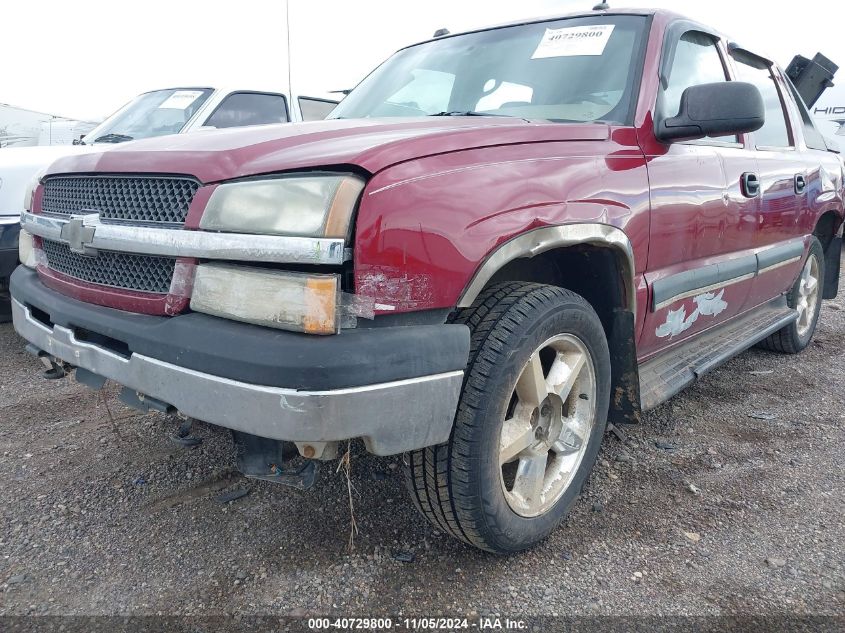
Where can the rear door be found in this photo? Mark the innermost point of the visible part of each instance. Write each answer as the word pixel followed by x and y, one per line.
pixel 785 177
pixel 700 262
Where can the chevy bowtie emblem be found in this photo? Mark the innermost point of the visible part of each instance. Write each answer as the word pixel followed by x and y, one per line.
pixel 78 236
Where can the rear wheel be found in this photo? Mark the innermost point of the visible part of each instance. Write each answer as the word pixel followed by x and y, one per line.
pixel 806 298
pixel 529 424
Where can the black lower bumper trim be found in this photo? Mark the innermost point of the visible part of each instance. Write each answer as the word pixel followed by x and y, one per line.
pixel 8 262
pixel 254 354
pixel 8 248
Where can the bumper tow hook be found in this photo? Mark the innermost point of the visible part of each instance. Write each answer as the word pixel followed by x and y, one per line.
pixel 183 436
pixel 301 478
pixel 52 369
pixel 272 460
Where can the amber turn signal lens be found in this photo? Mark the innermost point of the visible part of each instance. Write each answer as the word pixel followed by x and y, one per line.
pixel 297 302
pixel 320 305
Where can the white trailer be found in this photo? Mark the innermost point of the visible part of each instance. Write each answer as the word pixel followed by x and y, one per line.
pixel 20 127
pixel 829 111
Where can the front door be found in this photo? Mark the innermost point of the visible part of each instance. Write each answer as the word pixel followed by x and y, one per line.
pixel 703 222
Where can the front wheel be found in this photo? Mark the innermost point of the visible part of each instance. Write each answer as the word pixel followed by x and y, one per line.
pixel 529 424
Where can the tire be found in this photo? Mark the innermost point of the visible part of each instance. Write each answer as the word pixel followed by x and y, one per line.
pixel 5 302
pixel 460 486
pixel 794 337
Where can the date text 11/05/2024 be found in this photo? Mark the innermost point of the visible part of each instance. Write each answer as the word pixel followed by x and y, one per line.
pixel 482 623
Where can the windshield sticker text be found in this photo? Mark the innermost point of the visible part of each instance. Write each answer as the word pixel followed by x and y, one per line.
pixel 574 41
pixel 180 99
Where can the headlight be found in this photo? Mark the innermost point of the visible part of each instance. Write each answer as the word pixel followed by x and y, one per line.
pixel 29 254
pixel 312 205
pixel 288 301
pixel 29 194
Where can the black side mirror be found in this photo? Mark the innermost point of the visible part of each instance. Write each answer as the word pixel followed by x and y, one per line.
pixel 718 109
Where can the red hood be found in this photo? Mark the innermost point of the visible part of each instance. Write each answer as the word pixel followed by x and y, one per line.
pixel 371 144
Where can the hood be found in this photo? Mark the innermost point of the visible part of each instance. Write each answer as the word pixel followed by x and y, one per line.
pixel 20 165
pixel 370 144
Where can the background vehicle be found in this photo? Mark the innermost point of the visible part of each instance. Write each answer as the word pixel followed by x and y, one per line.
pixel 477 262
pixel 156 113
pixel 20 127
pixel 829 111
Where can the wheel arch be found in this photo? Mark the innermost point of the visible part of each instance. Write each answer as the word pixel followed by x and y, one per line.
pixel 597 262
pixel 827 226
pixel 828 230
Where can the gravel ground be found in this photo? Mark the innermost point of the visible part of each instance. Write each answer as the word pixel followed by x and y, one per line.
pixel 730 499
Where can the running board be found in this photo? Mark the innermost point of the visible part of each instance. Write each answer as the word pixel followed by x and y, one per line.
pixel 668 373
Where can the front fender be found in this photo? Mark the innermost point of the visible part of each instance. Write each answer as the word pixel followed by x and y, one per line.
pixel 431 232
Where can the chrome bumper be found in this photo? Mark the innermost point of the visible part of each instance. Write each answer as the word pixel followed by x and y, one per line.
pixel 391 417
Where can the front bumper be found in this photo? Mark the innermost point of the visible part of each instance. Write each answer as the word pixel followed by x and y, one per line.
pixel 392 416
pixel 10 228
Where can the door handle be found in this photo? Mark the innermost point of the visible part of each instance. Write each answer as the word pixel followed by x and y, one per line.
pixel 750 185
pixel 800 183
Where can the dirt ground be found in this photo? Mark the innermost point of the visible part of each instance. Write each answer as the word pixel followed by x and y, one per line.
pixel 728 500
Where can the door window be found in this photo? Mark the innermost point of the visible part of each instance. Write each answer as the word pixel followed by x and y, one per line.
pixel 697 61
pixel 315 109
pixel 775 131
pixel 249 108
pixel 812 136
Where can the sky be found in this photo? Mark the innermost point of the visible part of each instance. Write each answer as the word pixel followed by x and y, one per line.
pixel 85 58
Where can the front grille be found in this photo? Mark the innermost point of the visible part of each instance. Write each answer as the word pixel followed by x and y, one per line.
pixel 135 199
pixel 118 270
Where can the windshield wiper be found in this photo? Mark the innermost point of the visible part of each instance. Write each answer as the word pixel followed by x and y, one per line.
pixel 465 113
pixel 112 138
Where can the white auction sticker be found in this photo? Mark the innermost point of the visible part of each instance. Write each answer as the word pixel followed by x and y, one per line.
pixel 181 99
pixel 574 41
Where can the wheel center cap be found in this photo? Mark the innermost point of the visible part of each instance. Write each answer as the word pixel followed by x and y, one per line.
pixel 544 423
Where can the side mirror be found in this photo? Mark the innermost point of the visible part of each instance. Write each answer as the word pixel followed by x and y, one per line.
pixel 718 109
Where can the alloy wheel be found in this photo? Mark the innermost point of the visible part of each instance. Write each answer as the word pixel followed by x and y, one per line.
pixel 548 425
pixel 808 295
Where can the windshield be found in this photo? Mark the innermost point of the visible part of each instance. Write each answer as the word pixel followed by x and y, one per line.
pixel 150 114
pixel 577 69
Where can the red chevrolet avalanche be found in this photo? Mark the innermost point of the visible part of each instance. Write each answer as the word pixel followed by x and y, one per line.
pixel 501 241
